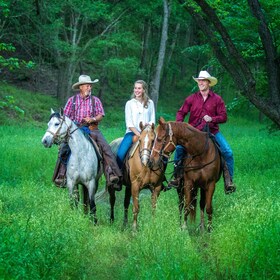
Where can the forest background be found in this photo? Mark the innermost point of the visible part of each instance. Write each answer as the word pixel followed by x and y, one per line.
pixel 46 45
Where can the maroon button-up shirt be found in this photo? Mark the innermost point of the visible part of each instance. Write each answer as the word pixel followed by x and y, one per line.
pixel 213 106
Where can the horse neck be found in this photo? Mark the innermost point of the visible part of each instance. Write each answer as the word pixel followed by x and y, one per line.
pixel 189 137
pixel 77 141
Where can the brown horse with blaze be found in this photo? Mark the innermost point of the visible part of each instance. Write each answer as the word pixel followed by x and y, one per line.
pixel 201 167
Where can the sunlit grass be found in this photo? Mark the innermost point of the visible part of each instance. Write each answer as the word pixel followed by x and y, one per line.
pixel 41 237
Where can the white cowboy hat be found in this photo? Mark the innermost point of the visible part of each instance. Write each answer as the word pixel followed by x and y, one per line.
pixel 84 79
pixel 204 75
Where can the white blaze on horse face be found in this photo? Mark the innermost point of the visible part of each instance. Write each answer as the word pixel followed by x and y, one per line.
pixel 146 149
pixel 53 126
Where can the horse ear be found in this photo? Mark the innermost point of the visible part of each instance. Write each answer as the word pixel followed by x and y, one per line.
pixel 61 112
pixel 161 121
pixel 141 126
pixel 52 111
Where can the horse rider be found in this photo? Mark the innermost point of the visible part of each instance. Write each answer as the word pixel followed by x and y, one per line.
pixel 205 107
pixel 86 110
pixel 139 108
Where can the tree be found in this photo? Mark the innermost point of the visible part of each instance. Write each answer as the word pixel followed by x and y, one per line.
pixel 155 84
pixel 233 61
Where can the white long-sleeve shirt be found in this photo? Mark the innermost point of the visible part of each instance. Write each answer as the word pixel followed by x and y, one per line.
pixel 135 113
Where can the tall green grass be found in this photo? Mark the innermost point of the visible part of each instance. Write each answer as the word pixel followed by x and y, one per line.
pixel 41 237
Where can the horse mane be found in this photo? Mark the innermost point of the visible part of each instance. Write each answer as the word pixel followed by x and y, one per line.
pixel 185 125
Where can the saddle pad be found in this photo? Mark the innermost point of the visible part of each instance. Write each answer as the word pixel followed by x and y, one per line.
pixel 96 148
pixel 133 149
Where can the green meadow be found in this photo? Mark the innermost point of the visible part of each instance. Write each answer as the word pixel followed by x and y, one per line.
pixel 41 237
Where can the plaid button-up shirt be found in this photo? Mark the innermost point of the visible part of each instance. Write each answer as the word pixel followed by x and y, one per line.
pixel 83 108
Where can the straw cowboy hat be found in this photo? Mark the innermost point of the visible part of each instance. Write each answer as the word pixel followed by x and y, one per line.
pixel 204 75
pixel 84 79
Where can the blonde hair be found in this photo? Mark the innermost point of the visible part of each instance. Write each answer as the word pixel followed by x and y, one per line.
pixel 145 95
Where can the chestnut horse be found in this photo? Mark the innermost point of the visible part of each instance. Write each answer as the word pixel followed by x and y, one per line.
pixel 137 174
pixel 201 168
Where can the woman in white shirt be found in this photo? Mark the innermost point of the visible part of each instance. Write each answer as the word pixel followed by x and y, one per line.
pixel 139 108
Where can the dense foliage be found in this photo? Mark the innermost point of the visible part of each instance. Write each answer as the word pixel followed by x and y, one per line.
pixel 119 42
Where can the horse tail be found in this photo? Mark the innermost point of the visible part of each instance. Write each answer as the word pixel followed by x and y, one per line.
pixel 101 195
pixel 115 145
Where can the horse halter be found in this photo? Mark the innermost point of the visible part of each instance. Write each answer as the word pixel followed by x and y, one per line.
pixel 57 139
pixel 163 152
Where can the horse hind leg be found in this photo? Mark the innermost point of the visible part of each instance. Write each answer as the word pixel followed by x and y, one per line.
pixel 126 204
pixel 209 208
pixel 202 208
pixel 180 202
pixel 112 200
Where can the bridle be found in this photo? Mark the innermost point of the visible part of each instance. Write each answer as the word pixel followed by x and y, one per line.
pixel 163 151
pixel 59 138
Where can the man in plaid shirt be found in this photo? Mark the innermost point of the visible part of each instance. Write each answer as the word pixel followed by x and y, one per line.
pixel 84 108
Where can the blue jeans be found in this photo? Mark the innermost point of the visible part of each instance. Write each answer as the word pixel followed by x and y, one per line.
pixel 124 147
pixel 226 151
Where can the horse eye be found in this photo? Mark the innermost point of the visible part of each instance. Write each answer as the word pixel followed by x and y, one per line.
pixel 56 124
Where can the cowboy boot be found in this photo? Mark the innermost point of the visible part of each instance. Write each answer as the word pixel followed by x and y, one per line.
pixel 229 185
pixel 178 175
pixel 60 179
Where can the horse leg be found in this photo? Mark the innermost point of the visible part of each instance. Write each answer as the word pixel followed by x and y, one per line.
pixel 155 195
pixel 187 202
pixel 112 199
pixel 202 207
pixel 73 193
pixel 180 202
pixel 135 197
pixel 126 205
pixel 209 209
pixel 92 205
pixel 85 200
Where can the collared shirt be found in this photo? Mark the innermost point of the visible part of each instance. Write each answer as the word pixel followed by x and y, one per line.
pixel 213 106
pixel 135 112
pixel 83 108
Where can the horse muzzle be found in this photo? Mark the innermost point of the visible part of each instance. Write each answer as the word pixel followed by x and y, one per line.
pixel 47 141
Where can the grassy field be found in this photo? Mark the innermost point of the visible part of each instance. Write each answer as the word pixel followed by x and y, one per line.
pixel 42 238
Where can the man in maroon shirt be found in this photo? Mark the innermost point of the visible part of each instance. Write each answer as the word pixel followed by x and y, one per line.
pixel 206 107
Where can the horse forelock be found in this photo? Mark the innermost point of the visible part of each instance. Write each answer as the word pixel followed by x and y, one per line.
pixel 55 114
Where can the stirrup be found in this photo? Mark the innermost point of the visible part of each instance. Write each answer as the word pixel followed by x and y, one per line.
pixel 60 182
pixel 174 183
pixel 231 188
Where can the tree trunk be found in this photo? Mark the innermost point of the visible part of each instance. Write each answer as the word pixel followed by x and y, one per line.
pixel 172 47
pixel 155 84
pixel 272 63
